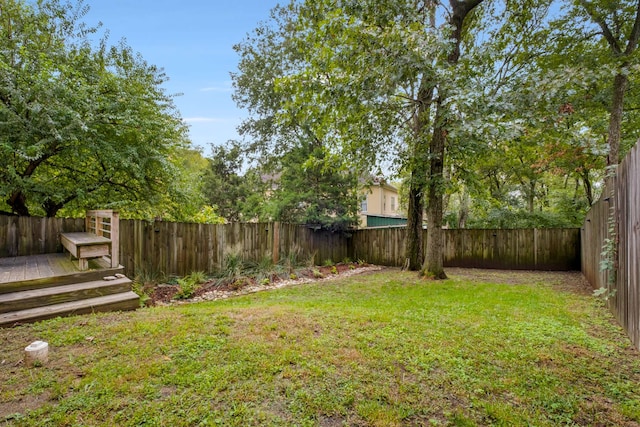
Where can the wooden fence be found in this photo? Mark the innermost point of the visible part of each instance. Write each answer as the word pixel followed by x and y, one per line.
pixel 20 236
pixel 179 248
pixel 623 285
pixel 517 249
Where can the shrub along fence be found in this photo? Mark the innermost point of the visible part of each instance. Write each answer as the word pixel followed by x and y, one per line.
pixel 622 281
pixel 180 248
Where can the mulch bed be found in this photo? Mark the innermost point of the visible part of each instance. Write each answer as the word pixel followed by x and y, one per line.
pixel 164 293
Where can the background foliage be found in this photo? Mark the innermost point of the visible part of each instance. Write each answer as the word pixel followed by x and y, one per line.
pixel 334 92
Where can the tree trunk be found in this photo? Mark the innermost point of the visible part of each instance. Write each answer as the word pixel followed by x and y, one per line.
pixel 434 260
pixel 414 252
pixel 51 208
pixel 620 84
pixel 588 188
pixel 531 196
pixel 464 209
pixel 18 203
pixel 418 166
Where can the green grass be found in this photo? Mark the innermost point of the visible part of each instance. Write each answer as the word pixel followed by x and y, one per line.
pixel 382 349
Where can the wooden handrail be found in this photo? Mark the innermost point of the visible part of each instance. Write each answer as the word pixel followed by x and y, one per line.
pixel 106 221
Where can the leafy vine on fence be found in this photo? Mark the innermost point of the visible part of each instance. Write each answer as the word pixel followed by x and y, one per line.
pixel 608 256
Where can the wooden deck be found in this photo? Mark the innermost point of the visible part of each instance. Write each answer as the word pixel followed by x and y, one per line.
pixel 40 287
pixel 17 269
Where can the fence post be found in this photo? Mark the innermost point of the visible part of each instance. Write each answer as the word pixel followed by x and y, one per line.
pixel 535 247
pixel 276 242
pixel 115 239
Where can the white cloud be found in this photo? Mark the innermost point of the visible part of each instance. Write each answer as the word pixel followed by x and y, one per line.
pixel 205 120
pixel 226 87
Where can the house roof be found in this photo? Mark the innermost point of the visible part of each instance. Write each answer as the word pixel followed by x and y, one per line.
pixel 377 180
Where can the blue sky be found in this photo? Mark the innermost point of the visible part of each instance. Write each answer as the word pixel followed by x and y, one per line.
pixel 193 41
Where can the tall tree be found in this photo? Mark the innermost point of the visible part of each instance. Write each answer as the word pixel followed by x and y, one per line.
pixel 310 181
pixel 313 186
pixel 434 261
pixel 224 184
pixel 80 125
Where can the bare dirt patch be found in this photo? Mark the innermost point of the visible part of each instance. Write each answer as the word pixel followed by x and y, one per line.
pixel 31 387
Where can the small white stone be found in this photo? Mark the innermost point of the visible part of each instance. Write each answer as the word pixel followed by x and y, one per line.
pixel 36 353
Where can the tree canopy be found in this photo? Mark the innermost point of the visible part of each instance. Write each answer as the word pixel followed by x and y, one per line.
pixel 497 113
pixel 311 179
pixel 227 187
pixel 82 124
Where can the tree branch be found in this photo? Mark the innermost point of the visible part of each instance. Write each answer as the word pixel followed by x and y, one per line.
pixel 606 32
pixel 635 34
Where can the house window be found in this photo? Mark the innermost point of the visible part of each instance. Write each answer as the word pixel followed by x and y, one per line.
pixel 393 204
pixel 363 204
pixel 384 203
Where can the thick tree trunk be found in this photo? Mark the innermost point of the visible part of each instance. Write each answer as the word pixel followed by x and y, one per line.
pixel 18 200
pixel 434 258
pixel 620 84
pixel 418 167
pixel 18 203
pixel 414 252
pixel 51 208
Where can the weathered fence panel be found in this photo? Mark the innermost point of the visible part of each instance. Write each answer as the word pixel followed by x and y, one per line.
pixel 321 245
pixel 593 234
pixel 517 249
pixel 623 285
pixel 21 236
pixel 380 246
pixel 180 248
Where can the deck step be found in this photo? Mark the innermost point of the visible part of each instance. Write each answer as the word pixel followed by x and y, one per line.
pixel 63 279
pixel 115 302
pixel 32 298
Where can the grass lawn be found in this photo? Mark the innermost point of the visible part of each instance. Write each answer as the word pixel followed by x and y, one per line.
pixel 379 349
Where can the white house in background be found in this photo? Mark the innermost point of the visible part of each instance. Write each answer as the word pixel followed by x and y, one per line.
pixel 380 205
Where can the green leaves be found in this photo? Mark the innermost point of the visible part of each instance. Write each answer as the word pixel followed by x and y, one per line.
pixel 225 187
pixel 525 108
pixel 80 126
pixel 315 187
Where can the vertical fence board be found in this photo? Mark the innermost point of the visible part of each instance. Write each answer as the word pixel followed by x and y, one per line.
pixel 623 192
pixel 22 236
pixel 555 249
